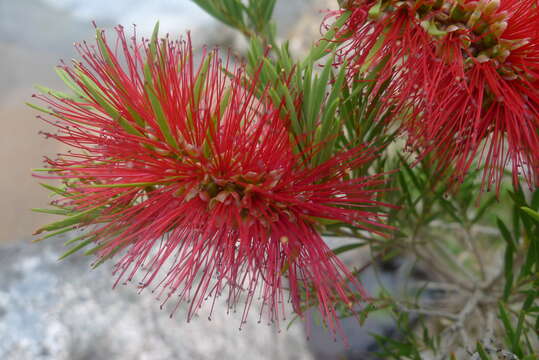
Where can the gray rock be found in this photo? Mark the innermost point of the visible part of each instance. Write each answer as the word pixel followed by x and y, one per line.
pixel 52 309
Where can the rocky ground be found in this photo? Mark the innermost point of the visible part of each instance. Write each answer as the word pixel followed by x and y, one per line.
pixel 51 310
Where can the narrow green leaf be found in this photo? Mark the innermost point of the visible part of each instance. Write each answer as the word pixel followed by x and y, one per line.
pixel 326 45
pixel 67 222
pixel 535 200
pixel 410 173
pixel 372 54
pixel 307 86
pixel 103 47
pixel 75 249
pixel 103 259
pixel 505 233
pixel 406 193
pixel 374 11
pixel 481 351
pixel 481 211
pixel 126 185
pixel 234 10
pixel 345 248
pixel 58 94
pixel 130 129
pixel 210 9
pixel 532 256
pixel 59 232
pixel 154 39
pixel 40 109
pixel 508 271
pixel 532 213
pixel 516 222
pixel 201 78
pixel 520 324
pixel 66 78
pixel 98 95
pixel 320 85
pixel 76 239
pixel 54 189
pixel 450 209
pixel 510 332
pixel 93 250
pixel 160 117
pixel 268 7
pixel 52 211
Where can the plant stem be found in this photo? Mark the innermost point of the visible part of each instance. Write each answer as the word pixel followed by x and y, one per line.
pixel 427 312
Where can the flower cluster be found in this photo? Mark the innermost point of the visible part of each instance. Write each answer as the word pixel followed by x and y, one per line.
pixel 464 74
pixel 188 174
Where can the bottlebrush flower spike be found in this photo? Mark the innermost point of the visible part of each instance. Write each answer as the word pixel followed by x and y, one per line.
pixel 464 73
pixel 189 177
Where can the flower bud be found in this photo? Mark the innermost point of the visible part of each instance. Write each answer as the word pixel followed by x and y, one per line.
pixel 491 7
pixel 498 28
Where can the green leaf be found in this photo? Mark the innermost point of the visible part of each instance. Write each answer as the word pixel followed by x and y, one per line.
pixel 535 200
pixel 69 221
pixel 481 351
pixel 137 184
pixel 372 54
pixel 201 78
pixel 265 9
pixel 75 239
pixel 108 108
pixel 40 109
pixel 103 47
pixel 154 39
pixel 75 248
pixel 419 184
pixel 375 10
pixel 128 127
pixel 326 45
pixel 160 117
pixel 520 324
pixel 534 214
pixel 449 208
pixel 406 193
pixel 432 29
pixel 484 207
pixel 57 94
pixel 231 13
pixel 52 211
pixel 55 189
pixel 510 332
pixel 103 259
pixel 320 85
pixel 207 6
pixel 66 78
pixel 364 313
pixel 345 248
pixel 505 233
pixel 59 232
pixel 508 271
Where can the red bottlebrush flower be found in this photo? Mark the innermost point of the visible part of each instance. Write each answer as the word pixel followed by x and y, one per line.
pixel 188 176
pixel 464 73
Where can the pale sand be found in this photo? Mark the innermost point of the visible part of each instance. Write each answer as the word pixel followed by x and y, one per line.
pixel 21 148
